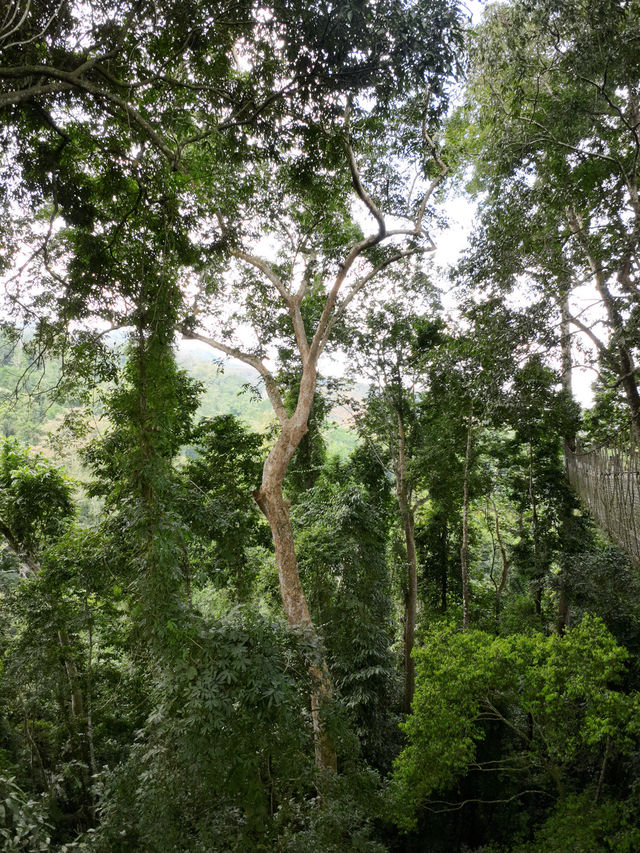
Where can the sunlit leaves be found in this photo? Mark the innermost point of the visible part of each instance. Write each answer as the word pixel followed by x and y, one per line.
pixel 558 700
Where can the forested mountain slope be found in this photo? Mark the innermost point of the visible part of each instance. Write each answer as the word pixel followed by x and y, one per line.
pixel 31 409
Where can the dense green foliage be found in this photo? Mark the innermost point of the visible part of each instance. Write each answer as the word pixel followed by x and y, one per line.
pixel 222 172
pixel 540 712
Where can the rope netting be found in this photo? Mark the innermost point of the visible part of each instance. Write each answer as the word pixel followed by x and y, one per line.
pixel 608 482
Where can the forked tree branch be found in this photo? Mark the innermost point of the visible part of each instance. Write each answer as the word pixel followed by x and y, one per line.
pixel 265 268
pixel 595 340
pixel 332 309
pixel 360 284
pixel 429 142
pixel 269 382
pixel 362 193
pixel 292 302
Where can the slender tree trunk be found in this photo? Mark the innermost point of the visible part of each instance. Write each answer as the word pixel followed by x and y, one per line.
pixel 90 742
pixel 630 387
pixel 464 550
pixel 77 703
pixel 411 608
pixel 566 522
pixel 539 575
pixel 566 359
pixel 411 597
pixel 32 565
pixel 444 566
pixel 276 510
pixel 506 562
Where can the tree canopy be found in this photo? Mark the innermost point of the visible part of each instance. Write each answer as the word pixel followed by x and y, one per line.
pixel 217 632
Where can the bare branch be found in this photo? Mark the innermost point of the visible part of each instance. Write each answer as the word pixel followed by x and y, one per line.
pixel 429 142
pixel 33 91
pixel 600 346
pixel 74 80
pixel 292 303
pixel 269 382
pixel 14 29
pixel 601 89
pixel 453 807
pixel 265 268
pixel 362 193
pixel 359 285
pixel 582 152
pixel 34 37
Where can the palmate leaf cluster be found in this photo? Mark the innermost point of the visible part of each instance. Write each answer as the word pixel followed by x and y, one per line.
pixel 217 502
pixel 23 823
pixel 35 498
pixel 228 731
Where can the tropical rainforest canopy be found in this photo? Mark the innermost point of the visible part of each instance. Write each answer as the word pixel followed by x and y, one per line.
pixel 226 625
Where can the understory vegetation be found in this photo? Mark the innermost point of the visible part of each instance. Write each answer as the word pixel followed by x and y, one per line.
pixel 349 595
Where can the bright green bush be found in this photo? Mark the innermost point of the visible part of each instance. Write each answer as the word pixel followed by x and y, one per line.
pixel 555 699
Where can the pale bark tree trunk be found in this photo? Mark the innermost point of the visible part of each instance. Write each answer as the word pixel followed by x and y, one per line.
pixel 464 549
pixel 506 562
pixel 411 597
pixel 566 359
pixel 411 607
pixel 566 522
pixel 276 510
pixel 349 281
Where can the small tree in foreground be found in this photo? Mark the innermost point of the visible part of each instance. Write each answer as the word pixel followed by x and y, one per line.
pixel 546 714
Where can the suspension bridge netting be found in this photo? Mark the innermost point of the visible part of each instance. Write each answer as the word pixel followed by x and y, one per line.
pixel 608 482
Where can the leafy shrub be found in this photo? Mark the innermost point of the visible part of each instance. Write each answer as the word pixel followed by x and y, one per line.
pixel 23 824
pixel 553 699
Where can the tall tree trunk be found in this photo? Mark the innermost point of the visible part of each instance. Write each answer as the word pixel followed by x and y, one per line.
pixel 567 521
pixel 566 359
pixel 444 565
pixel 411 597
pixel 411 606
pixel 464 549
pixel 630 386
pixel 276 510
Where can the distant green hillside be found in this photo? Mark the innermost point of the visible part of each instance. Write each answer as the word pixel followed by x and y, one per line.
pixel 31 415
pixel 235 390
pixel 26 403
pixel 228 390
